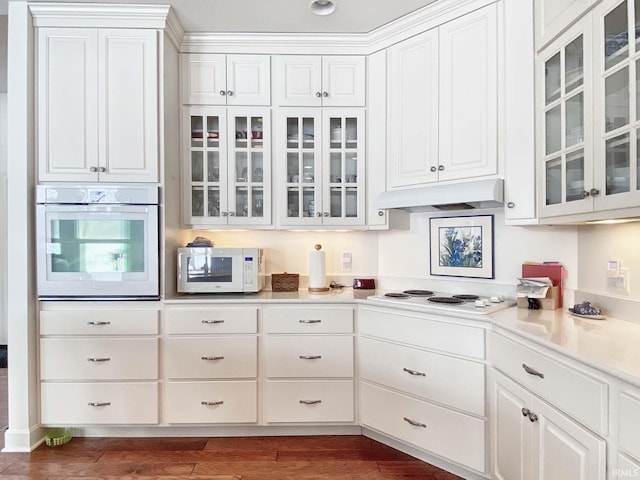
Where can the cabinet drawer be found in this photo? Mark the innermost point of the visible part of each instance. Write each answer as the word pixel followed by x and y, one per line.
pixel 309 356
pixel 211 357
pixel 98 322
pixel 629 424
pixel 211 402
pixel 308 320
pixel 446 433
pixel 309 401
pixel 98 358
pixel 422 331
pixel 442 379
pixel 576 393
pixel 99 403
pixel 199 320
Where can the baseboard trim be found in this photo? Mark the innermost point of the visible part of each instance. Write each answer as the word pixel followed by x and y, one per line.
pixel 23 440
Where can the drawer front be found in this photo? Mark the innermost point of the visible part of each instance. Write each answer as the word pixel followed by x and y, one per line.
pixel 212 320
pixel 309 401
pixel 211 357
pixel 309 356
pixel 99 322
pixel 308 320
pixel 99 358
pixel 442 379
pixel 99 403
pixel 416 329
pixel 211 402
pixel 629 424
pixel 449 434
pixel 576 393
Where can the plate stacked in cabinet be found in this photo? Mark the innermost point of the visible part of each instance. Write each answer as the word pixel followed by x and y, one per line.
pixel 422 381
pixel 309 364
pixel 210 365
pixel 98 366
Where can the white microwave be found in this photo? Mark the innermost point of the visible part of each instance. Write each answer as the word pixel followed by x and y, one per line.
pixel 220 270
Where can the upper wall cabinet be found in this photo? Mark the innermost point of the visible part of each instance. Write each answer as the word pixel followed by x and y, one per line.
pixel 307 80
pixel 212 79
pixel 97 105
pixel 554 16
pixel 443 102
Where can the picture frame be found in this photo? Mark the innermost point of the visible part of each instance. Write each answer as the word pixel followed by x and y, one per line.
pixel 462 246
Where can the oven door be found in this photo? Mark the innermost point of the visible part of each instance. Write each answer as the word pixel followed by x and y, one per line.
pixel 97 251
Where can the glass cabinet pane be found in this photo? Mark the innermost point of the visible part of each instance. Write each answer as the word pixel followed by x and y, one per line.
pixel 257 202
pixel 197 201
pixel 241 167
pixel 196 131
pixel 618 162
pixel 617 99
pixel 351 202
pixel 351 132
pixel 308 167
pixel 574 131
pixel 242 202
pixel 213 166
pixel 553 174
pixel 573 65
pixel 257 167
pixel 553 130
pixel 335 207
pixel 308 202
pixel 616 41
pixel 213 201
pixel 552 79
pixel 575 176
pixel 213 132
pixel 335 132
pixel 197 167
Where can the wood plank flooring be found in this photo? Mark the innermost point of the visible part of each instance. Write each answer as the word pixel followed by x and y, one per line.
pixel 350 457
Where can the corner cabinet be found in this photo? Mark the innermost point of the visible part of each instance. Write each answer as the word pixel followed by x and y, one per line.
pixel 97 104
pixel 442 102
pixel 227 166
pixel 320 179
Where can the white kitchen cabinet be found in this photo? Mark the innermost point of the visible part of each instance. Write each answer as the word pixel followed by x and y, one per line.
pixel 553 17
pixel 532 440
pixel 308 363
pixel 320 180
pixel 329 81
pixel 442 102
pixel 218 79
pixel 97 104
pixel 98 365
pixel 627 421
pixel 227 166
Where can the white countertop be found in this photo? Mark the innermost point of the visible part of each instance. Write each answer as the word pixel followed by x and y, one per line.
pixel 344 295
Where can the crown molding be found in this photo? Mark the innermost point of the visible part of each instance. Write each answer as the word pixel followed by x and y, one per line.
pixel 98 15
pixel 174 29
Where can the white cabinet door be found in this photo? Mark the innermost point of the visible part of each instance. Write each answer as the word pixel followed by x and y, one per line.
pixel 204 80
pixel 343 81
pixel 128 105
pixel 468 99
pixel 413 111
pixel 248 80
pixel 67 83
pixel 554 16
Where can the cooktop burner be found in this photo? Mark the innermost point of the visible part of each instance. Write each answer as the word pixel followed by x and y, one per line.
pixel 418 293
pixel 466 297
pixel 397 295
pixel 445 300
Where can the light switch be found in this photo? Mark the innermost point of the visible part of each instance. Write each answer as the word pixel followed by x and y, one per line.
pixel 346 262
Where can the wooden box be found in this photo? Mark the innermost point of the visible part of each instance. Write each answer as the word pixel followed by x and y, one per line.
pixel 552 301
pixel 285 282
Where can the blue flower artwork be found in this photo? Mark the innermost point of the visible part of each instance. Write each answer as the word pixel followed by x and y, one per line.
pixel 461 247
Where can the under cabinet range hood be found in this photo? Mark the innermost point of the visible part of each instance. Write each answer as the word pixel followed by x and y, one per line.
pixel 454 196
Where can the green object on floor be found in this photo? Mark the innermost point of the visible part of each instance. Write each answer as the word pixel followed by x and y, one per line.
pixel 58 436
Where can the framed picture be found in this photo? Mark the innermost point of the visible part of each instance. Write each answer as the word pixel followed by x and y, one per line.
pixel 462 246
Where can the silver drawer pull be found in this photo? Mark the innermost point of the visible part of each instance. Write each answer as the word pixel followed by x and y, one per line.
pixel 99 404
pixel 414 372
pixel 414 423
pixel 531 371
pixel 98 359
pixel 211 404
pixel 310 402
pixel 212 322
pixel 310 321
pixel 217 357
pixel 98 323
pixel 310 357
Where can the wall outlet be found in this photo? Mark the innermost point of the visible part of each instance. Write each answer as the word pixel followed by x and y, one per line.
pixel 346 262
pixel 623 280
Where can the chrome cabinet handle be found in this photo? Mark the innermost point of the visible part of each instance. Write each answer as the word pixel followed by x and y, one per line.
pixel 380 213
pixel 414 372
pixel 310 321
pixel 584 194
pixel 93 169
pixel 310 357
pixel 212 322
pixel 414 423
pixel 594 192
pixel 98 359
pixel 310 402
pixel 433 169
pixel 318 94
pixel 440 167
pixel 511 205
pixel 531 371
pixel 99 404
pixel 223 93
pixel 217 357
pixel 212 404
pixel 230 93
pixel 325 94
pixel 91 322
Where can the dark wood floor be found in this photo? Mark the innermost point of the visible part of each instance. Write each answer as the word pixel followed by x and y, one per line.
pixel 245 458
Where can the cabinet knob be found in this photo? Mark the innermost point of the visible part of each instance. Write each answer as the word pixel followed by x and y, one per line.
pixel 525 412
pixel 325 94
pixel 93 169
pixel 533 417
pixel 594 192
pixel 440 167
pixel 584 194
pixel 232 214
pixel 433 169
pixel 224 214
pixel 223 93
pixel 318 94
pixel 380 213
pixel 102 169
pixel 230 93
pixel 511 205
pixel 318 214
pixel 326 214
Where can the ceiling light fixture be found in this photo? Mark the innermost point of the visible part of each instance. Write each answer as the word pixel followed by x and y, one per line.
pixel 322 7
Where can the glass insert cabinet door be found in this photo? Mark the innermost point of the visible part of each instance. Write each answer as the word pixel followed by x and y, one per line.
pixel 565 92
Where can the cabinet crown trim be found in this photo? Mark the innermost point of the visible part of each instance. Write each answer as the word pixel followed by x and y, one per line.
pixel 100 15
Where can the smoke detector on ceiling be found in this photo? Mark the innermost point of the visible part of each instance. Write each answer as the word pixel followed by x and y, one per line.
pixel 322 7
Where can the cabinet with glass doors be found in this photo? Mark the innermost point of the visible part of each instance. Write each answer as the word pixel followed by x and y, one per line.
pixel 321 167
pixel 227 167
